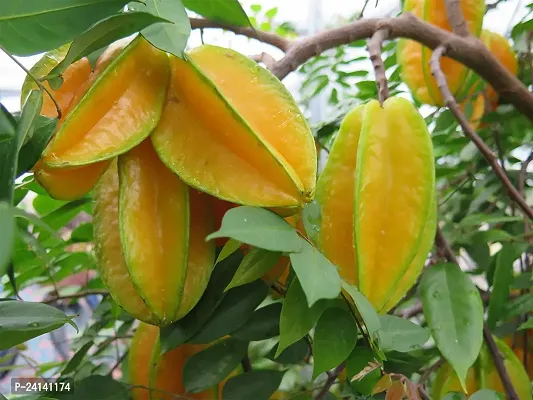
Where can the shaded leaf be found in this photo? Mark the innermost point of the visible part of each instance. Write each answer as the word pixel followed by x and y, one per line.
pixel 487 394
pixel 294 354
pixel 258 227
pixel 263 324
pixel 7 235
pixel 234 310
pixel 210 366
pixel 181 331
pixel 296 317
pixel 502 280
pixel 97 387
pixel 77 358
pixel 252 385
pixel 31 151
pixel 8 155
pixel 454 313
pixel 335 337
pixel 23 320
pixel 230 247
pixel 254 265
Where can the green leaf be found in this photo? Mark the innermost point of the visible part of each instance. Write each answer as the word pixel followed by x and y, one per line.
pixel 8 154
pixel 210 366
pixel 400 334
pixel 234 310
pixel 7 235
pixel 478 219
pixel 454 313
pixel 225 11
pixel 365 310
pixel 317 275
pixel 97 387
pixel 311 217
pixel 296 317
pixel 170 37
pixel 229 248
pixel 502 280
pixel 103 33
pixel 454 396
pixel 28 118
pixel 361 358
pixel 254 384
pixel 23 320
pixel 83 233
pixel 487 394
pixel 254 265
pixel 32 27
pixel 260 228
pixel 335 338
pixel 179 332
pixel 294 354
pixel 519 306
pixel 31 151
pixel 77 359
pixel 263 324
pixel 526 325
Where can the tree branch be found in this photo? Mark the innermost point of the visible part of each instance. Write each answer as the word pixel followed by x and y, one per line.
pixel 456 17
pixel 265 37
pixel 374 49
pixel 84 293
pixel 332 377
pixel 500 366
pixel 491 158
pixel 444 247
pixel 265 58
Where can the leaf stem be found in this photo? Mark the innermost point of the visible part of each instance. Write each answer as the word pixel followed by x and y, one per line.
pixel 35 79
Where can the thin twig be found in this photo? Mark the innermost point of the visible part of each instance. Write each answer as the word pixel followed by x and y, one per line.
pixel 444 247
pixel 499 364
pixel 85 293
pixel 491 158
pixel 332 377
pixel 265 37
pixel 36 80
pixel 456 18
pixel 119 362
pixel 374 49
pixel 429 370
pixel 363 9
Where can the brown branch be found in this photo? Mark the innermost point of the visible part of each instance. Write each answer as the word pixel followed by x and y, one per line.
pixel 265 37
pixel 332 377
pixel 429 370
pixel 265 58
pixel 444 247
pixel 500 366
pixel 469 51
pixel 85 293
pixel 374 49
pixel 491 158
pixel 456 18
